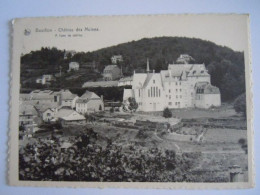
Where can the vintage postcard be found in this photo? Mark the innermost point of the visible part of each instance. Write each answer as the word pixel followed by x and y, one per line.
pixel 148 101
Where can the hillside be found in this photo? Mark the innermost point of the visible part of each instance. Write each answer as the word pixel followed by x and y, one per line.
pixel 225 65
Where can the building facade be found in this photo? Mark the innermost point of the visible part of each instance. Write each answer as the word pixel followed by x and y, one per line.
pixel 178 87
pixel 125 81
pixel 89 102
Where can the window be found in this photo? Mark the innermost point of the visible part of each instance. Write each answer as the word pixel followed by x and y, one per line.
pixel 156 91
pixel 169 103
pixel 176 90
pixel 170 97
pixel 169 91
pixel 176 103
pixel 153 81
pixel 159 93
pixel 176 83
pixel 139 92
pixel 180 90
pixel 180 96
pixel 177 96
pixel 153 91
pixel 180 82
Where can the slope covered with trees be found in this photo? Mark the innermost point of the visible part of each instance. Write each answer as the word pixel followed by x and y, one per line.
pixel 225 65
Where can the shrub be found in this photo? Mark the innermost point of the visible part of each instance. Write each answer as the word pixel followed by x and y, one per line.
pixel 167 113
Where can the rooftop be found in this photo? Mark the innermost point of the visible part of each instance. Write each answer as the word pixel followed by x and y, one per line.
pixel 110 67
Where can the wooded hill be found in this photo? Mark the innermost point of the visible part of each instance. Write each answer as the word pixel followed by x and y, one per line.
pixel 225 65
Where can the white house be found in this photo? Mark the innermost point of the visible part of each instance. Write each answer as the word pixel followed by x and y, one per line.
pixel 207 95
pixel 184 59
pixel 89 102
pixel 173 88
pixel 49 114
pixel 41 80
pixel 116 58
pixel 45 79
pixel 73 66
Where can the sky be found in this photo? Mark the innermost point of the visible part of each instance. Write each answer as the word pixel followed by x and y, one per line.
pixel 92 33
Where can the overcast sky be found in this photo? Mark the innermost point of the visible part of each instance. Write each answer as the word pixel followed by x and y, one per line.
pixel 224 30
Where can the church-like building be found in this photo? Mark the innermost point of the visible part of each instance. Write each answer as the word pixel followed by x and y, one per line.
pixel 181 86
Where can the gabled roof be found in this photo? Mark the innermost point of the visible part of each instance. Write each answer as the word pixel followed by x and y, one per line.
pixel 89 95
pixel 111 67
pixel 138 80
pixel 42 107
pixel 148 78
pixel 67 95
pixel 64 112
pixel 207 88
pixel 191 69
pixel 198 70
pixel 73 117
pixel 41 94
pixel 27 109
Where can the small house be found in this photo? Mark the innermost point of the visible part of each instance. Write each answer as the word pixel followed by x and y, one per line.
pixel 73 66
pixel 116 58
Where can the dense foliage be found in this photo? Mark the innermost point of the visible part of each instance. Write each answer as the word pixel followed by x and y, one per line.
pixel 225 65
pixel 167 113
pixel 85 160
pixel 240 104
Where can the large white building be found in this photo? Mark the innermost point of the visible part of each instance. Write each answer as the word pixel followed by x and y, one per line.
pixel 181 86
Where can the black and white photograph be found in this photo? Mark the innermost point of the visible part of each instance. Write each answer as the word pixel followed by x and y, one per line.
pixel 131 99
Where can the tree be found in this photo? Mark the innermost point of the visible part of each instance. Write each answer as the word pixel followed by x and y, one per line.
pixel 167 113
pixel 132 104
pixel 111 110
pixel 243 143
pixel 240 104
